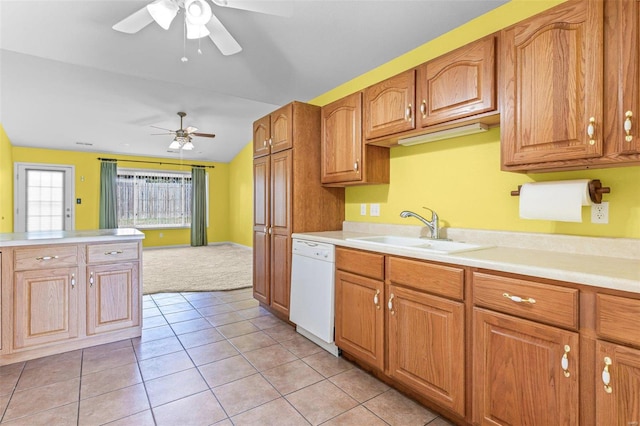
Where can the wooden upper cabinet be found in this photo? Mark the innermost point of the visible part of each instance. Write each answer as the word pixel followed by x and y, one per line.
pixel 274 132
pixel 342 144
pixel 389 106
pixel 552 86
pixel 622 77
pixel 458 84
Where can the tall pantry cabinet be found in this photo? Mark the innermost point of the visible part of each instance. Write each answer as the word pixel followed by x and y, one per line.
pixel 288 197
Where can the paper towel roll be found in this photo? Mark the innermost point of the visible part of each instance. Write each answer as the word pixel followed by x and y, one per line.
pixel 559 200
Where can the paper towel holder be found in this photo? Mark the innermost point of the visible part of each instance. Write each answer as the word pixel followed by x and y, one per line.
pixel 595 191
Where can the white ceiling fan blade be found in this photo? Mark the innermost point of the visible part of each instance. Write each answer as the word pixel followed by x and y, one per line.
pixel 191 129
pixel 222 38
pixel 278 8
pixel 134 22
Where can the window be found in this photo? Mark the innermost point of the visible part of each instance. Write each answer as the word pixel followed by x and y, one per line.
pixel 153 199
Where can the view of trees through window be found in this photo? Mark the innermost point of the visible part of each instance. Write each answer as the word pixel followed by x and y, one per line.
pixel 153 199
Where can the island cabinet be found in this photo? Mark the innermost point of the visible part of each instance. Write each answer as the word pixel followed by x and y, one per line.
pixel 113 287
pixel 426 330
pixel 61 297
pixel 617 360
pixel 288 197
pixel 346 158
pixel 525 352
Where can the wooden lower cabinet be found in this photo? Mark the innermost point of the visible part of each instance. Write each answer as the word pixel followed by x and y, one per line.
pixel 112 297
pixel 359 317
pixel 518 372
pixel 618 385
pixel 45 306
pixel 426 346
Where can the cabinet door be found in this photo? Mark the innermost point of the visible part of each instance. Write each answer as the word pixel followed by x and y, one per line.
pixel 618 402
pixel 389 106
pixel 426 346
pixel 280 230
pixel 45 306
pixel 518 372
pixel 112 297
pixel 622 103
pixel 458 84
pixel 342 142
pixel 261 211
pixel 261 135
pixel 360 318
pixel 282 128
pixel 552 79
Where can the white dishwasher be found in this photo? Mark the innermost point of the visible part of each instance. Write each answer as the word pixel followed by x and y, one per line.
pixel 313 292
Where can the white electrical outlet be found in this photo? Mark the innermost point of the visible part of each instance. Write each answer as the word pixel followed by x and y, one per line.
pixel 375 210
pixel 363 209
pixel 600 212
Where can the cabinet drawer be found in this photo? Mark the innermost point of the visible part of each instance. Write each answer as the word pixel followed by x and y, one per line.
pixel 548 303
pixel 360 262
pixel 112 252
pixel 617 318
pixel 45 257
pixel 442 280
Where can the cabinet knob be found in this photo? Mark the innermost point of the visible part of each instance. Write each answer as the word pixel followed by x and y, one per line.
pixel 606 376
pixel 591 130
pixel 376 300
pixel 627 126
pixel 564 362
pixel 264 142
pixel 270 142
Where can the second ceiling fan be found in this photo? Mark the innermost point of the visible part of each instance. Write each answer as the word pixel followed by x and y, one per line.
pixel 199 20
pixel 182 136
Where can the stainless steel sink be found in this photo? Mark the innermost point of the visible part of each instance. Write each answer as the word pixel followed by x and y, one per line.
pixel 422 244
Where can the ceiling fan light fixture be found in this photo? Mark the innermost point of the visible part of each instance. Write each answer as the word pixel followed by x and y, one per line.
pixel 175 144
pixel 188 146
pixel 198 12
pixel 196 31
pixel 163 12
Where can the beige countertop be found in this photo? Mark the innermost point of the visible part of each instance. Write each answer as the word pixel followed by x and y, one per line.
pixel 68 237
pixel 570 259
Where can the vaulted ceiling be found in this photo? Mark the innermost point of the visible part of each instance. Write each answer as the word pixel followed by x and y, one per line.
pixel 69 81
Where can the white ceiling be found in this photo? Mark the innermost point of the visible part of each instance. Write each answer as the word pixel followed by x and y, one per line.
pixel 67 79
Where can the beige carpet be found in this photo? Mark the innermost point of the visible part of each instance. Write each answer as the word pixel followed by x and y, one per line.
pixel 208 268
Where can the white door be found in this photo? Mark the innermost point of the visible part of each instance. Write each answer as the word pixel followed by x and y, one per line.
pixel 44 195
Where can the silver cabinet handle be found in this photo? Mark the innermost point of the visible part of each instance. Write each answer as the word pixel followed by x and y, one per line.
pixel 270 142
pixel 91 279
pixel 407 113
pixel 356 166
pixel 41 258
pixel 390 304
pixel 73 280
pixel 376 300
pixel 113 253
pixel 423 108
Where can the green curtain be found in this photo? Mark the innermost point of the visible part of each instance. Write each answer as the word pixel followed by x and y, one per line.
pixel 198 207
pixel 108 190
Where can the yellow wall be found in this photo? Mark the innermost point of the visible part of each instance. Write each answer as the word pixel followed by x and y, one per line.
pixel 461 178
pixel 6 183
pixel 87 188
pixel 241 197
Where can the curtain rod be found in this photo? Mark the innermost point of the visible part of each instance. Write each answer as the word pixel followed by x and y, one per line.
pixel 155 162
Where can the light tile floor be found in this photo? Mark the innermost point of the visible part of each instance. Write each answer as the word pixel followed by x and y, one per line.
pixel 203 358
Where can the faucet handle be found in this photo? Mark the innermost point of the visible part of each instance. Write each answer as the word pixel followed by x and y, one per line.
pixel 434 215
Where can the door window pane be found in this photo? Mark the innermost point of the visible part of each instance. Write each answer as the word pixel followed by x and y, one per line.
pixel 45 200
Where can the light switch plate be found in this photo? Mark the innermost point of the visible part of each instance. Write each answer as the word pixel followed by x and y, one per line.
pixel 374 210
pixel 363 209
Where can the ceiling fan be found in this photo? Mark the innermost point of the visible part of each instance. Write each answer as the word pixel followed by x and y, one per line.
pixel 182 136
pixel 199 20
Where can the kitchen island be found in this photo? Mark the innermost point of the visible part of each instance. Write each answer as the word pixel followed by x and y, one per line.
pixel 66 290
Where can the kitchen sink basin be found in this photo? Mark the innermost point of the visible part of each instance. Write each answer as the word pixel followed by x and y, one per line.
pixel 422 244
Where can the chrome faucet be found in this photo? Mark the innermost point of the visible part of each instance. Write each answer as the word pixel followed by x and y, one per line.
pixel 432 225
